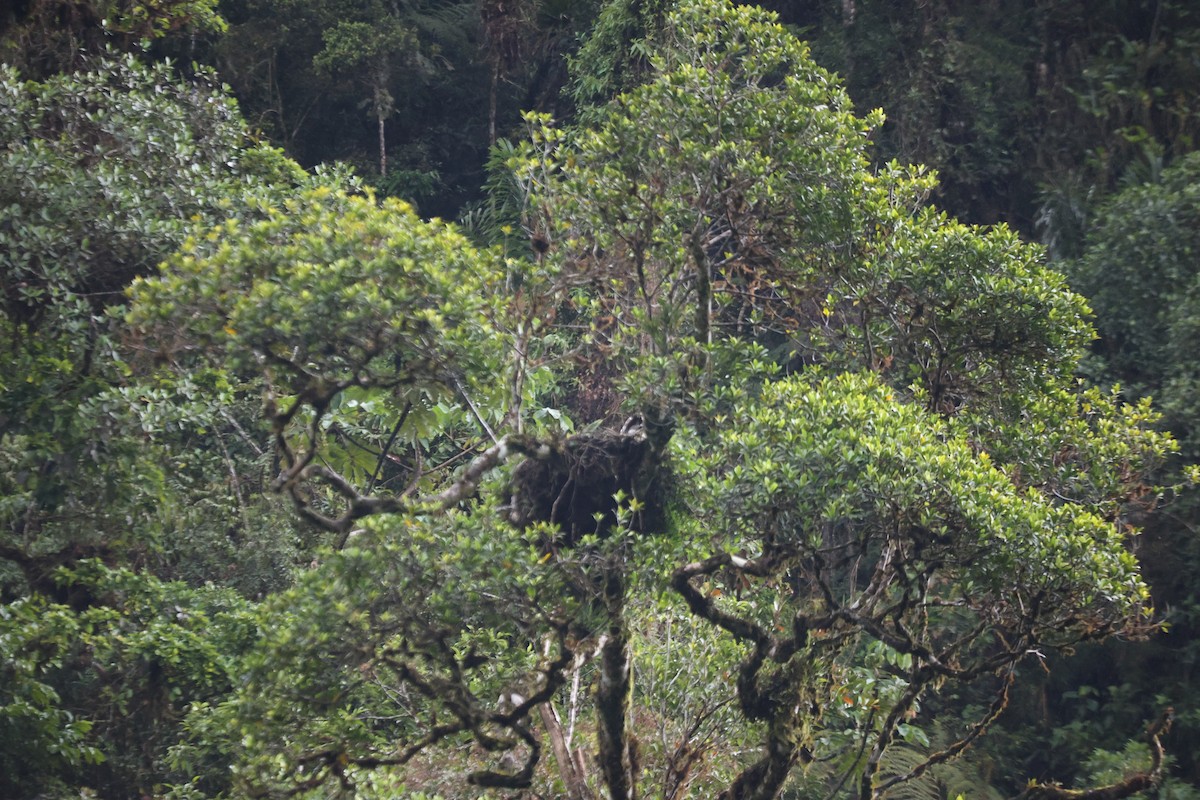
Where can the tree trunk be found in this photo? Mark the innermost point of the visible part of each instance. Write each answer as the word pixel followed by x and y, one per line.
pixel 495 89
pixel 384 105
pixel 618 749
pixel 568 768
pixel 382 149
pixel 764 779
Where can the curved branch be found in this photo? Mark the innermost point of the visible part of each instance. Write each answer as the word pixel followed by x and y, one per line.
pixel 703 606
pixel 387 447
pixel 951 752
pixel 469 717
pixel 1131 785
pixel 521 779
pixel 360 505
pixel 921 676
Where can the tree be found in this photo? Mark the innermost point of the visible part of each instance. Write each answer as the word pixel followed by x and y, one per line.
pixel 842 436
pixel 1138 267
pixel 659 203
pixel 1138 271
pixel 102 172
pixel 44 37
pixel 104 457
pixel 369 47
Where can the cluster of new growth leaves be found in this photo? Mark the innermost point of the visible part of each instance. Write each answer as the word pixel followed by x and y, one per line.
pixel 822 465
pixel 331 291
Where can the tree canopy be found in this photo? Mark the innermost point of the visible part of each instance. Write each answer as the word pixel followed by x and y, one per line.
pixel 724 471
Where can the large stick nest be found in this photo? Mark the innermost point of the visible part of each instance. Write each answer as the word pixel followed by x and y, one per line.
pixel 575 488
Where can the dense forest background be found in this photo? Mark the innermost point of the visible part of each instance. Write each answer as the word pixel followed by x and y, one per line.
pixel 1074 123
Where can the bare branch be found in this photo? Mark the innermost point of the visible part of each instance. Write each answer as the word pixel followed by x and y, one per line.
pixel 360 505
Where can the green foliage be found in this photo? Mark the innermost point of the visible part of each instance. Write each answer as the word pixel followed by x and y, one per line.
pixel 332 291
pixel 708 200
pixel 328 293
pixel 93 181
pixel 349 43
pixel 1032 114
pixel 813 456
pixel 687 705
pixel 853 446
pixel 96 696
pixel 1139 271
pixel 955 779
pixel 38 737
pixel 48 36
pixel 402 641
pixel 1136 91
pixel 102 173
pixel 982 312
pixel 1104 767
pixel 613 57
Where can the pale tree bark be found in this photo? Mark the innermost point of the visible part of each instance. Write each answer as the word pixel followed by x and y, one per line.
pixel 570 768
